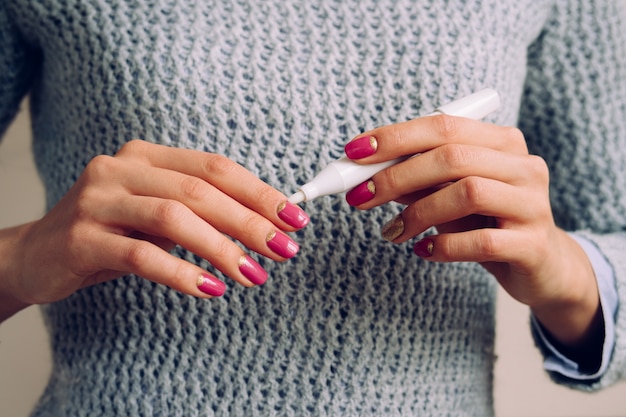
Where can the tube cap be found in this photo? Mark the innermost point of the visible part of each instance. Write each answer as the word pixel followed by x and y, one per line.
pixel 297 198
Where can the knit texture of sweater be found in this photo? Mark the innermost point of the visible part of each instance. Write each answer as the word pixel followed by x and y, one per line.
pixel 353 325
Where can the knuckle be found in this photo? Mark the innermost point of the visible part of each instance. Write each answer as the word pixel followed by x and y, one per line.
pixel 454 157
pixel 133 147
pixel 193 189
pixel 215 166
pixel 388 179
pixel 264 193
pixel 415 214
pixel 473 192
pixel 169 213
pixel 488 245
pixel 137 255
pixel 514 137
pixel 394 136
pixel 538 167
pixel 178 276
pixel 222 250
pixel 514 134
pixel 99 167
pixel 446 126
pixel 446 248
pixel 250 225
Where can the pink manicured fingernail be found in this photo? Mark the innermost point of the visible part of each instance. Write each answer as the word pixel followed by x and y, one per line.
pixel 362 193
pixel 361 147
pixel 282 244
pixel 252 270
pixel 292 215
pixel 424 248
pixel 210 285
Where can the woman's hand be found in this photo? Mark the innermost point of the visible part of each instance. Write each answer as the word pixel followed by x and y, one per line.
pixel 489 200
pixel 125 212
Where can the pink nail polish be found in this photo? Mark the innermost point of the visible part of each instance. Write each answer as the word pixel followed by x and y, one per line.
pixel 424 248
pixel 361 147
pixel 252 270
pixel 210 285
pixel 292 215
pixel 362 193
pixel 282 244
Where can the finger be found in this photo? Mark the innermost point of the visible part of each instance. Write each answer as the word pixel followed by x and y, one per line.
pixel 147 260
pixel 471 195
pixel 425 133
pixel 499 251
pixel 226 175
pixel 213 206
pixel 481 245
pixel 174 221
pixel 449 163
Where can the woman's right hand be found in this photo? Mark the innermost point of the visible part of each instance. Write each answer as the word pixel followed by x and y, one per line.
pixel 125 212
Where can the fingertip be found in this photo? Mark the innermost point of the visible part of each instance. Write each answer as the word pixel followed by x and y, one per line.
pixel 292 214
pixel 361 194
pixel 281 244
pixel 393 229
pixel 361 147
pixel 424 248
pixel 210 285
pixel 252 271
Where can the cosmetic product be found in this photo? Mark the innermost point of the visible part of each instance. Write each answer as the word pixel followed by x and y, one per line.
pixel 344 174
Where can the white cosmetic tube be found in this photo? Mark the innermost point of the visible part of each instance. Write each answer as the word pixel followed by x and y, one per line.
pixel 344 174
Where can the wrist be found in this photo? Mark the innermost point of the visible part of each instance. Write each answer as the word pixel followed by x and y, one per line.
pixel 10 306
pixel 572 318
pixel 10 302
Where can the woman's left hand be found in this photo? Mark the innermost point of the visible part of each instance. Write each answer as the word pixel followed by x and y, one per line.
pixel 489 200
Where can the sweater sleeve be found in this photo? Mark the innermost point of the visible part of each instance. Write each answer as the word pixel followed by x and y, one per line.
pixel 574 115
pixel 557 362
pixel 17 67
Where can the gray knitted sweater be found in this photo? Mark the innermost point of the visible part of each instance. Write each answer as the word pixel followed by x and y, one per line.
pixel 352 326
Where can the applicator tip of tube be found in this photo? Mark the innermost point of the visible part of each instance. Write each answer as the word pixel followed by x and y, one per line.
pixel 297 197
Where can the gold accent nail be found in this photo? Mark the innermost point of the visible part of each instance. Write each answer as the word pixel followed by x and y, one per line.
pixel 281 206
pixel 270 236
pixel 393 228
pixel 371 187
pixel 200 280
pixel 242 260
pixel 373 143
pixel 430 247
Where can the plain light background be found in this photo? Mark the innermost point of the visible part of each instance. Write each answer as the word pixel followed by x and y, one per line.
pixel 521 387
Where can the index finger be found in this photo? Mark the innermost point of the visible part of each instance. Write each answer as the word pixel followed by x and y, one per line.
pixel 429 132
pixel 224 174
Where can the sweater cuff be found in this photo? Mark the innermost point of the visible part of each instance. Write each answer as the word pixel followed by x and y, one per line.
pixel 554 360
